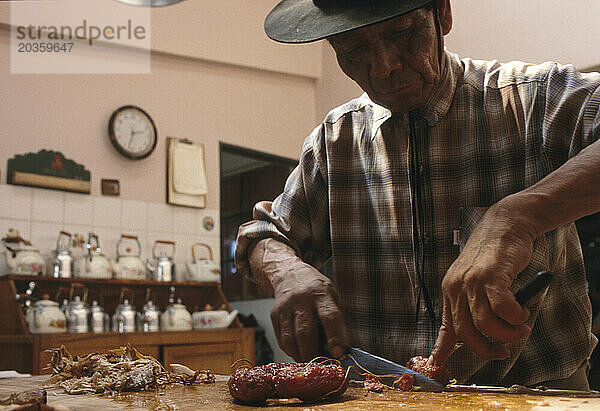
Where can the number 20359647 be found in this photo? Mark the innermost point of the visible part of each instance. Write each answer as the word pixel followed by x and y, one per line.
pixel 46 47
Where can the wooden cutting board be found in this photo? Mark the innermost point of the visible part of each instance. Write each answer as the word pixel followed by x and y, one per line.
pixel 216 397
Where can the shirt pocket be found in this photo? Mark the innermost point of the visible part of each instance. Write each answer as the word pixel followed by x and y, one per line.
pixel 469 217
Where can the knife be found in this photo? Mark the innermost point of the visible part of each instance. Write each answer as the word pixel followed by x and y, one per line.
pixel 520 389
pixel 381 366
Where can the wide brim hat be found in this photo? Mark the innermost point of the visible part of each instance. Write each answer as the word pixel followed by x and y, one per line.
pixel 304 21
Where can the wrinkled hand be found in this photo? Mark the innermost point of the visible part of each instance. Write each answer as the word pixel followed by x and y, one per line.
pixel 306 306
pixel 304 300
pixel 478 302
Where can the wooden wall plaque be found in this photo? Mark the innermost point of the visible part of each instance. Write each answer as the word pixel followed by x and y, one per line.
pixel 48 169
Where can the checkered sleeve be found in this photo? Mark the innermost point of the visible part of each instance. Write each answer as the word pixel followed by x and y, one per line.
pixel 572 113
pixel 299 216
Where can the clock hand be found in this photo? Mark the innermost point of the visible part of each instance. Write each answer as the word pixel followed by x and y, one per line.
pixel 131 134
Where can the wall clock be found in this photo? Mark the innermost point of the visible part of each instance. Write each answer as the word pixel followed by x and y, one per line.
pixel 132 132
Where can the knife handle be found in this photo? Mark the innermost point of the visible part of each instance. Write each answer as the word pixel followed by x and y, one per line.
pixel 535 285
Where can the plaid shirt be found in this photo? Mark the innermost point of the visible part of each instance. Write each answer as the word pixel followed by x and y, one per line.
pixel 391 198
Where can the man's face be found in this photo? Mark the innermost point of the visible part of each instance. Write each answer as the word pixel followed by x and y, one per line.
pixel 395 62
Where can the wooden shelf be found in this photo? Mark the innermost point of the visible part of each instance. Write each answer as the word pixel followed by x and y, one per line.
pixel 21 277
pixel 216 348
pixel 106 292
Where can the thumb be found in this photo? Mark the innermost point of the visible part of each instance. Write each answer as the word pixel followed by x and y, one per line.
pixel 446 340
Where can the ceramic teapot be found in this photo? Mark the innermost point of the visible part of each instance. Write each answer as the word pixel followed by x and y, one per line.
pixel 44 317
pixel 203 269
pixel 20 257
pixel 148 320
pixel 95 264
pixel 62 265
pixel 124 318
pixel 176 318
pixel 129 265
pixel 98 319
pixel 162 268
pixel 77 313
pixel 213 318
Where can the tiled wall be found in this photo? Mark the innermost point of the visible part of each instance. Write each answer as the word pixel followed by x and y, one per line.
pixel 41 214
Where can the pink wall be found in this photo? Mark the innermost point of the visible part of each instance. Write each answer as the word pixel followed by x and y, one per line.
pixel 204 101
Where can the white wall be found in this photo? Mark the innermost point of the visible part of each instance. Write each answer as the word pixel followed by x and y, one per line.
pixel 41 214
pixel 530 30
pixel 230 32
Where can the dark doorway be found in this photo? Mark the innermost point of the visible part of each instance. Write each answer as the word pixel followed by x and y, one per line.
pixel 589 235
pixel 247 177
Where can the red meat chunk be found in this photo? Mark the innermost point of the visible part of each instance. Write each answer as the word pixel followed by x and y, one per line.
pixel 307 382
pixel 310 382
pixel 373 384
pixel 251 385
pixel 404 383
pixel 435 372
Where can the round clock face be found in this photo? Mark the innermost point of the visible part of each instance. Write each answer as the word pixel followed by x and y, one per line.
pixel 132 132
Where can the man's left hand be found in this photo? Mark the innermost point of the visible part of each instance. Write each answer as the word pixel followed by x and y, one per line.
pixel 478 302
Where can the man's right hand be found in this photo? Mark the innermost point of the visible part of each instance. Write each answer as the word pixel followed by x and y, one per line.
pixel 305 300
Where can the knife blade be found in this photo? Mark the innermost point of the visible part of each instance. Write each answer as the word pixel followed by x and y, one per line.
pixel 380 366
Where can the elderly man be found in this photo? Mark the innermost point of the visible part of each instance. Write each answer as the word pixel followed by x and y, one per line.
pixel 437 194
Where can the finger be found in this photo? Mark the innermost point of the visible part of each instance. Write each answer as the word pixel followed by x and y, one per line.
pixel 332 320
pixel 465 330
pixel 488 323
pixel 286 337
pixel 307 336
pixel 446 339
pixel 504 304
pixel 493 326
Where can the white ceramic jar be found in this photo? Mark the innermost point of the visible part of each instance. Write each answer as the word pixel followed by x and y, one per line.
pixel 176 318
pixel 45 317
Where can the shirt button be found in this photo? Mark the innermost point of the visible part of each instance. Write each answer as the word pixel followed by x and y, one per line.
pixel 421 167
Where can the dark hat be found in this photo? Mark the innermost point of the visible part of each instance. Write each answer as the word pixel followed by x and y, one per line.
pixel 303 21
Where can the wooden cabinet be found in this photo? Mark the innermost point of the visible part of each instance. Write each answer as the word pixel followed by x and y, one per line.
pixel 214 349
pixel 215 357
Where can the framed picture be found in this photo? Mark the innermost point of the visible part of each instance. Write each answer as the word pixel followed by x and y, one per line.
pixel 110 187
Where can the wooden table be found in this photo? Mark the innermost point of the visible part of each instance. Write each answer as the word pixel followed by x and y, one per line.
pixel 216 397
